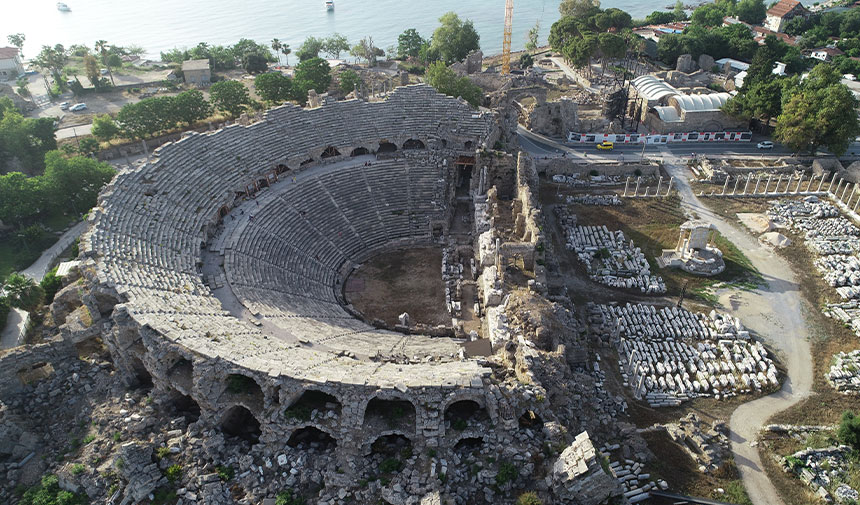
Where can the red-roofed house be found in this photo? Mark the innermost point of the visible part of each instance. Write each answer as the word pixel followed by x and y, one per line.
pixel 11 65
pixel 782 12
pixel 825 53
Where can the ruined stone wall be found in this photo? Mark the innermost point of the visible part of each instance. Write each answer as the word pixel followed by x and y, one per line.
pixel 21 365
pixel 562 166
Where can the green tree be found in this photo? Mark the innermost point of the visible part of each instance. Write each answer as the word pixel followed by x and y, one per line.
pixel 48 492
pixel 532 38
pixel 255 64
pixel 274 87
pixel 526 61
pixel 23 141
pixel 50 285
pixel 366 50
pixel 315 74
pixel 52 59
pixel 334 45
pixel 146 117
pixel 20 199
pixel 708 15
pixel 409 44
pixel 579 9
pixel 104 128
pixel 91 69
pixel 88 146
pixel 446 81
pixel 243 50
pixel 230 96
pixel 751 11
pixel 23 293
pixel 73 184
pixel 849 430
pixel 17 40
pixel 454 39
pixel 103 48
pixel 679 13
pixel 309 49
pixel 349 80
pixel 659 18
pixel 285 50
pixel 276 47
pixel 612 18
pixel 189 107
pixel 819 112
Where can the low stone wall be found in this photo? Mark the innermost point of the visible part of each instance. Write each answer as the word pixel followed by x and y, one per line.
pixel 21 364
pixel 563 166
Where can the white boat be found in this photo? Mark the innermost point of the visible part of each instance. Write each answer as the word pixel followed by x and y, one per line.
pixel 63 7
pixel 329 5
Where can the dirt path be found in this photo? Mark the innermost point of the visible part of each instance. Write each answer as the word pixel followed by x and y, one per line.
pixel 775 313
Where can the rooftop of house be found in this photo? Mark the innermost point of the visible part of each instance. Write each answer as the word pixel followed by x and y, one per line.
pixel 783 7
pixel 7 53
pixel 195 65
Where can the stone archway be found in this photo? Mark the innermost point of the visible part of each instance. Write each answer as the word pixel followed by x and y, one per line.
pixel 239 422
pixel 312 438
pixel 413 144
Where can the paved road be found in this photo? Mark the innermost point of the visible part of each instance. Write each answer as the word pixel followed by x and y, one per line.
pixel 38 269
pixel 774 312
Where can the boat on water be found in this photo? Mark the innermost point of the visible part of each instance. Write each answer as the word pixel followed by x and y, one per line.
pixel 63 7
pixel 329 5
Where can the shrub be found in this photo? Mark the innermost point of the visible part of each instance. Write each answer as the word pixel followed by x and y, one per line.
pixel 173 473
pixel 48 492
pixel 117 436
pixel 51 284
pixel 298 412
pixel 390 465
pixel 89 438
pixel 162 452
pixel 507 473
pixel 529 498
pixel 637 173
pixel 4 311
pixel 849 430
pixel 288 498
pixel 77 469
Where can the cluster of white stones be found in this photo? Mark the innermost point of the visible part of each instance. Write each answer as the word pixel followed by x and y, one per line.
pixel 452 276
pixel 844 374
pixel 609 258
pixel 592 180
pixel 598 200
pixel 825 230
pixel 825 469
pixel 671 355
pixel 636 482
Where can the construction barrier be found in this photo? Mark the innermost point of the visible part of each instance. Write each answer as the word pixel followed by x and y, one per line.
pixel 636 138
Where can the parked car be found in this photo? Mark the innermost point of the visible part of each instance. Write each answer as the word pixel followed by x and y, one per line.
pixel 605 146
pixel 78 107
pixel 64 106
pixel 765 144
pixel 104 71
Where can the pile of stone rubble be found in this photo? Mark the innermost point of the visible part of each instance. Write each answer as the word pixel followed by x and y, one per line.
pixel 637 483
pixel 593 180
pixel 708 445
pixel 844 374
pixel 599 200
pixel 671 355
pixel 452 276
pixel 609 258
pixel 825 471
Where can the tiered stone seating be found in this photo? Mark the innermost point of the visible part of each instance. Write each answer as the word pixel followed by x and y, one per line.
pixel 145 236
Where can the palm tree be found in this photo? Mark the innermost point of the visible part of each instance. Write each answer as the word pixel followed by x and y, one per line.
pixel 102 47
pixel 285 48
pixel 276 46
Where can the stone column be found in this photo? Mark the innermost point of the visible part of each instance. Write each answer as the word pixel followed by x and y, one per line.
pixel 778 182
pixel 820 184
pixel 767 185
pixel 832 180
pixel 757 181
pixel 747 184
pixel 852 195
pixel 726 185
pixel 735 189
pixel 669 189
pixel 836 191
pixel 855 205
pixel 799 182
pixel 646 191
pixel 844 190
pixel 638 181
pixel 626 185
pixel 659 183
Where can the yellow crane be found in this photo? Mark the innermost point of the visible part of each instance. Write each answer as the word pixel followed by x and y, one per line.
pixel 506 40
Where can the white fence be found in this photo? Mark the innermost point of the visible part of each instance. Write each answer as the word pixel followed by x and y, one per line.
pixel 636 138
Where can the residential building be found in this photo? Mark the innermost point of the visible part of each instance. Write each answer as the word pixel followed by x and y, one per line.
pixel 825 53
pixel 11 65
pixel 781 13
pixel 197 72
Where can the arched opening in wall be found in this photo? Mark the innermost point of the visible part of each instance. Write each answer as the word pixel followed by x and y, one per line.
pixel 464 414
pixel 312 404
pixel 468 144
pixel 330 152
pixel 359 151
pixel 263 183
pixel 240 422
pixel 311 438
pixel 140 376
pixel 306 162
pixel 469 445
pixel 182 372
pixel 413 144
pixel 241 387
pixel 183 405
pixel 390 414
pixel 281 168
pixel 530 421
pixel 386 147
pixel 391 447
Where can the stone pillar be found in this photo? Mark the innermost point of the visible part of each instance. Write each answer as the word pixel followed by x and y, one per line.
pixel 836 191
pixel 659 183
pixel 855 205
pixel 832 180
pixel 852 195
pixel 799 182
pixel 669 189
pixel 844 190
pixel 747 184
pixel 767 185
pixel 778 181
pixel 626 185
pixel 646 191
pixel 820 183
pixel 735 189
pixel 638 181
pixel 757 181
pixel 726 185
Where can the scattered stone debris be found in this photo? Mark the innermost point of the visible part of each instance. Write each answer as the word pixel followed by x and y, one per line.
pixel 844 374
pixel 609 258
pixel 597 200
pixel 707 445
pixel 825 471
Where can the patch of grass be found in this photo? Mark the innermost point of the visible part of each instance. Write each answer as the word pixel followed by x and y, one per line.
pixel 507 473
pixel 240 384
pixel 459 424
pixel 173 473
pixel 48 492
pixel 736 493
pixel 390 465
pixel 298 412
pixel 225 473
pixel 162 452
pixel 88 439
pixel 77 469
pixel 529 498
pixel 117 436
pixel 288 497
pixel 164 496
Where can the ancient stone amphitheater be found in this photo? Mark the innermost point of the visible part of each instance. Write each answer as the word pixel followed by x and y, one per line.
pixel 219 268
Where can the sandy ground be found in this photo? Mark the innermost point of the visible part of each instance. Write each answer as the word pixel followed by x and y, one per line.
pixel 775 313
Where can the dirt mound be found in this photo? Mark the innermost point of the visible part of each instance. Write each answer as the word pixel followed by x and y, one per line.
pixel 757 223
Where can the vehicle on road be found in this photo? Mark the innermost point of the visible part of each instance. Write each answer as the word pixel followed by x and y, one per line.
pixel 64 106
pixel 63 7
pixel 765 144
pixel 78 107
pixel 605 146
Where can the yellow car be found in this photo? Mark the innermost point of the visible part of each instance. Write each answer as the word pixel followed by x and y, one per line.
pixel 605 146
